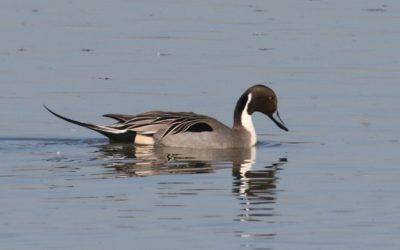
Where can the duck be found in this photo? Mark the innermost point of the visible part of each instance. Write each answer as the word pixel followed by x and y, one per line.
pixel 192 130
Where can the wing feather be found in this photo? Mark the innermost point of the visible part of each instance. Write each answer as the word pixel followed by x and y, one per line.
pixel 148 124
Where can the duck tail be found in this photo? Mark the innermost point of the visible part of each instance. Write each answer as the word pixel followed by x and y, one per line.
pixel 115 135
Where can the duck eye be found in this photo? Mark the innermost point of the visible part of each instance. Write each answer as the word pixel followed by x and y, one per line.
pixel 271 98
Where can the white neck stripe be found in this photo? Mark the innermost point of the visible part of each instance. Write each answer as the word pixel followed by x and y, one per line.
pixel 247 122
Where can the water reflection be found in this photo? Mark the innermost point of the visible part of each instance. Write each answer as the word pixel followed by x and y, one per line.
pixel 257 192
pixel 256 189
pixel 149 160
pixel 254 186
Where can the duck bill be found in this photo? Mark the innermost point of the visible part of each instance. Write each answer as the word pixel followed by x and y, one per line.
pixel 278 121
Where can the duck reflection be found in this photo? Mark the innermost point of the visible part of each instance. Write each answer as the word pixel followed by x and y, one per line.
pixel 255 187
pixel 149 160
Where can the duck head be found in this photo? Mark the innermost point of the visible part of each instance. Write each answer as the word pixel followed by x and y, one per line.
pixel 258 98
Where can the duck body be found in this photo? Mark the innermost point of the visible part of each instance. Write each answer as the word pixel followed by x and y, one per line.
pixel 191 130
pixel 221 136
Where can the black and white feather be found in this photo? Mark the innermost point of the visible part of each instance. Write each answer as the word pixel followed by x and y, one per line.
pixel 148 124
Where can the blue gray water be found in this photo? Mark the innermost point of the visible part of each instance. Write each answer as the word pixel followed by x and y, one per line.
pixel 329 183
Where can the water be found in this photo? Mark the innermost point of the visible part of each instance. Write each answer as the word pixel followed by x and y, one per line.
pixel 329 183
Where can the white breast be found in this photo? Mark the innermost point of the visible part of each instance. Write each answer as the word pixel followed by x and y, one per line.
pixel 247 122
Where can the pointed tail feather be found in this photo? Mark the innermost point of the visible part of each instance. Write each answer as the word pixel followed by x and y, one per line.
pixel 113 134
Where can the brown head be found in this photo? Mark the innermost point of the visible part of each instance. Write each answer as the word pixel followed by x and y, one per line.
pixel 258 98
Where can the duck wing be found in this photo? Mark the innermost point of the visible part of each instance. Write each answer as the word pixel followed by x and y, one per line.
pixel 153 122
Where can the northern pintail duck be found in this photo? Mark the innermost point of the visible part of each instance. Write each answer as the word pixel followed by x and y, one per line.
pixel 187 129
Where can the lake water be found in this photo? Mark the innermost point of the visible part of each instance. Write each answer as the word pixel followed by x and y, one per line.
pixel 332 182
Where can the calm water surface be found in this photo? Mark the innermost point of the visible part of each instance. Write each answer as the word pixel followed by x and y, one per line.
pixel 68 193
pixel 332 182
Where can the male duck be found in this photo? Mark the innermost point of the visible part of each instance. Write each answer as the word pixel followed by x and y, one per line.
pixel 187 129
